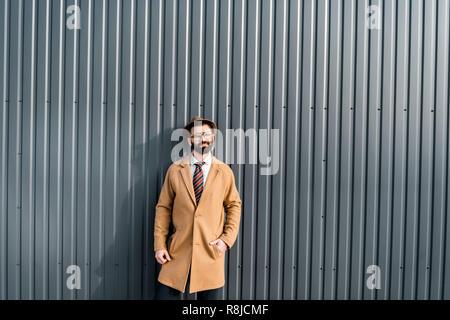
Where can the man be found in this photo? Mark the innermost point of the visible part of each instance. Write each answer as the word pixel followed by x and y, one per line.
pixel 196 193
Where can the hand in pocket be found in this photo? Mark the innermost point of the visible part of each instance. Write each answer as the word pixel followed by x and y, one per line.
pixel 221 247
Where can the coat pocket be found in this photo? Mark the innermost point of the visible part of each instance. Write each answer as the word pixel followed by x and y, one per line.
pixel 216 251
pixel 170 243
pixel 213 248
pixel 216 248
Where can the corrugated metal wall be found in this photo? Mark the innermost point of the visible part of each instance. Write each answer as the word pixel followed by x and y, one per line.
pixel 85 124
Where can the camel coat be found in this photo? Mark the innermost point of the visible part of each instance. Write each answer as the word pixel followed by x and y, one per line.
pixel 195 226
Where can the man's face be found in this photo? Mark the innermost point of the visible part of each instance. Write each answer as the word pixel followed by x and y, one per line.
pixel 202 138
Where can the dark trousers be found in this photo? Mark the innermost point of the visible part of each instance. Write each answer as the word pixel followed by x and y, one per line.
pixel 164 292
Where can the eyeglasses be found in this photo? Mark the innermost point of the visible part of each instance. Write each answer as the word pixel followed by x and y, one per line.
pixel 203 134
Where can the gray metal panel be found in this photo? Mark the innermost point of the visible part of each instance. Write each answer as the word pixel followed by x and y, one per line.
pixel 332 154
pixel 400 147
pixel 439 197
pixel 86 123
pixel 386 170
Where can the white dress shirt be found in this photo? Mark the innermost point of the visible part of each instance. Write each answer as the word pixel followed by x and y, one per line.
pixel 205 167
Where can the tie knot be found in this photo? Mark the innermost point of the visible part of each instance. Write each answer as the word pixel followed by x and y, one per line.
pixel 200 164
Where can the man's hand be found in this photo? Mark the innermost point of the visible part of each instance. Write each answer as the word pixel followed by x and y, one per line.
pixel 221 246
pixel 162 256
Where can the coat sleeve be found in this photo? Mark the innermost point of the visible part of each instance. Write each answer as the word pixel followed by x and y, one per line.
pixel 232 204
pixel 163 213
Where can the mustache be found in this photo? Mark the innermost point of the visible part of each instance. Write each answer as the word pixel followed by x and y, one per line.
pixel 199 148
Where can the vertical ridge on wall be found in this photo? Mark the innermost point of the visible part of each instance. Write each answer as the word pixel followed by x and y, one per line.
pixel 146 247
pixel 446 191
pixel 4 100
pixel 334 143
pixel 264 182
pixel 248 197
pixel 441 162
pixel 414 150
pixel 85 87
pixel 30 164
pixel 347 151
pixel 292 152
pixel 57 267
pixel 46 135
pixel 388 103
pixel 278 121
pixel 86 121
pixel 360 153
pixel 396 269
pixel 320 130
pixel 307 118
pixel 375 107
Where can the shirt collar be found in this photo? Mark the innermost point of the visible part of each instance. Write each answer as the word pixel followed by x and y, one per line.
pixel 207 160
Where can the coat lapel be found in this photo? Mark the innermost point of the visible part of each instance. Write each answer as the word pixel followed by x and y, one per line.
pixel 186 175
pixel 211 175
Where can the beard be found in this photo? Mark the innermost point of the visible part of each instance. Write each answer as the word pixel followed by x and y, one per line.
pixel 202 149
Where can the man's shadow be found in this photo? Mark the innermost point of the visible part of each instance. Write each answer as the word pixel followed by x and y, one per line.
pixel 129 270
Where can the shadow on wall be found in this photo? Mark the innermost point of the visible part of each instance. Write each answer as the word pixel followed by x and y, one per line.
pixel 128 270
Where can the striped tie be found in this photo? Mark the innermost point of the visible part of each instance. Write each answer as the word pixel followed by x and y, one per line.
pixel 198 180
